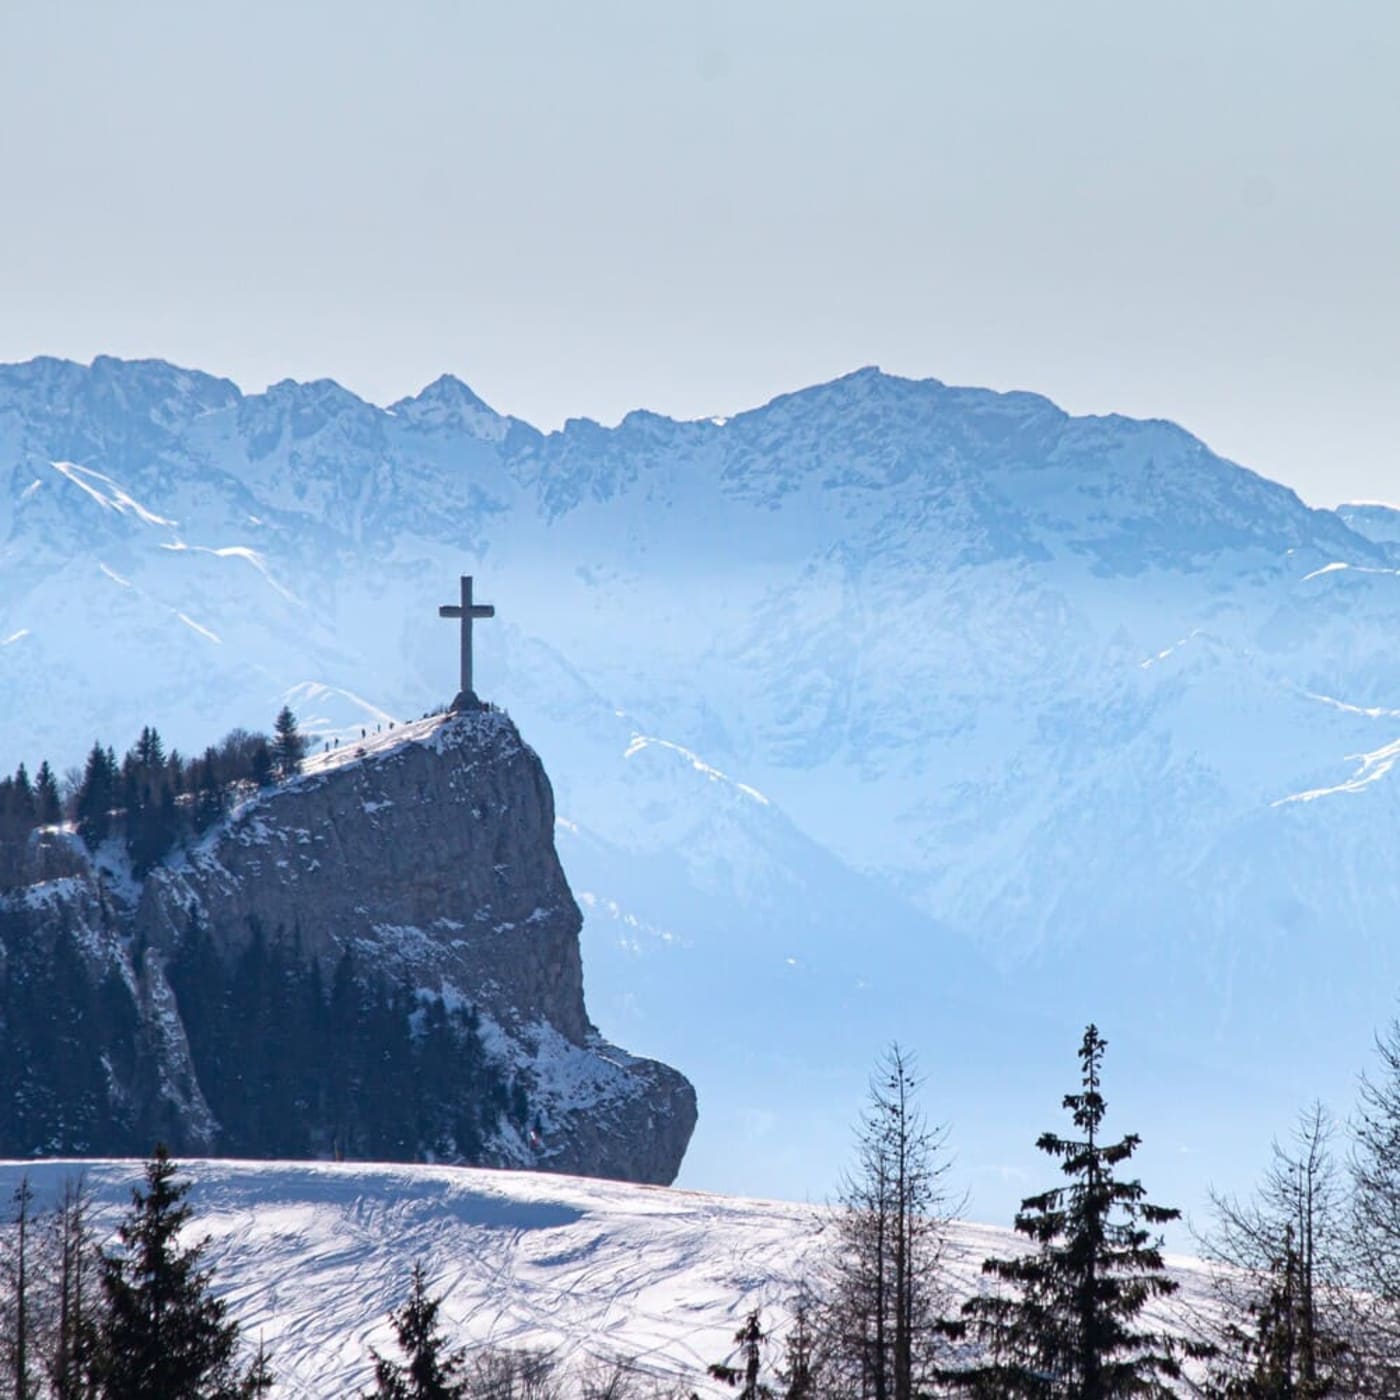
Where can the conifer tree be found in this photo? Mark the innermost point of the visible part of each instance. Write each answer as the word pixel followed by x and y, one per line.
pixel 745 1377
pixel 133 788
pixel 22 799
pixel 288 745
pixel 165 1333
pixel 152 826
pixel 9 821
pixel 48 808
pixel 150 751
pixel 1065 1322
pixel 96 796
pixel 260 762
pixel 430 1371
pixel 800 1372
pixel 209 795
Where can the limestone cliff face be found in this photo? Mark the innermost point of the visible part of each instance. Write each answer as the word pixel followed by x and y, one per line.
pixel 428 854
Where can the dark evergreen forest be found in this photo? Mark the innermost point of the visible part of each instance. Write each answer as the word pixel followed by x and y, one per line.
pixel 72 1062
pixel 292 1061
pixel 295 1064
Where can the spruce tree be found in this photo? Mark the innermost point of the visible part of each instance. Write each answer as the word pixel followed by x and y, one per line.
pixel 165 1333
pixel 744 1377
pixel 48 808
pixel 1064 1324
pixel 288 745
pixel 152 826
pixel 430 1371
pixel 800 1376
pixel 22 799
pixel 260 763
pixel 209 794
pixel 96 797
pixel 10 829
pixel 149 750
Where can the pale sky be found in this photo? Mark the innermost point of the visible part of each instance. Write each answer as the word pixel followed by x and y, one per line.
pixel 1186 209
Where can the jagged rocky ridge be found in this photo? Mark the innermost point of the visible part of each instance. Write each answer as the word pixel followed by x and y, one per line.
pixel 421 862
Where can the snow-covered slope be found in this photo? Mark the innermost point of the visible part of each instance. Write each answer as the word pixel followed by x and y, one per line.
pixel 885 708
pixel 313 1256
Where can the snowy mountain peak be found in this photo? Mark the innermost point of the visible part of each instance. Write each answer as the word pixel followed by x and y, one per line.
pixel 1376 520
pixel 114 392
pixel 448 404
pixel 324 398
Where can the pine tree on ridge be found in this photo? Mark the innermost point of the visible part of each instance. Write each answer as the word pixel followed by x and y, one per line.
pixel 1064 1323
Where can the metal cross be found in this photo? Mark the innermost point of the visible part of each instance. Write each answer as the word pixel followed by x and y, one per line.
pixel 468 612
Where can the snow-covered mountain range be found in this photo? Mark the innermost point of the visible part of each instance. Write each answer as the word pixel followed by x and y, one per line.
pixel 887 708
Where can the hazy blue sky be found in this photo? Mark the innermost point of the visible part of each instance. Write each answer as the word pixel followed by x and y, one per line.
pixel 1180 209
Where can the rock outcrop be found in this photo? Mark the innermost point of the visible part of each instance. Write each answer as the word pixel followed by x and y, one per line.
pixel 427 855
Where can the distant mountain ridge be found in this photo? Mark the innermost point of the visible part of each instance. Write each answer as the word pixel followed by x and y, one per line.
pixel 932 681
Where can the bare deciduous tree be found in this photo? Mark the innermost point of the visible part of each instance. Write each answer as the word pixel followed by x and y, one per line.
pixel 887 1284
pixel 1289 1318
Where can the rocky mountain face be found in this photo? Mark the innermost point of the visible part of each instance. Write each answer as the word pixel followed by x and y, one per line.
pixel 886 708
pixel 419 864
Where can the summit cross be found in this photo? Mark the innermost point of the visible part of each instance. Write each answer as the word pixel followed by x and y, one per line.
pixel 468 612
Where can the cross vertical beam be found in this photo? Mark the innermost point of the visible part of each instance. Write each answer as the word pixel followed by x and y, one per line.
pixel 468 612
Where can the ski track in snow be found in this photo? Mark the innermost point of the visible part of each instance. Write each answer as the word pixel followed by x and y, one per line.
pixel 313 1255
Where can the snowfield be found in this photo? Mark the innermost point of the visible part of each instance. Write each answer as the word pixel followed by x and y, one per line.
pixel 313 1255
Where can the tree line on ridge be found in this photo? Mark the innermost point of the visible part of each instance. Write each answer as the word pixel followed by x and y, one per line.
pixel 151 797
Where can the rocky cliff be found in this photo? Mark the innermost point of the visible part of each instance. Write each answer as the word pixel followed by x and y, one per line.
pixel 419 867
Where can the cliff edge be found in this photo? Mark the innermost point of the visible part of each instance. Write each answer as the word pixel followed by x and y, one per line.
pixel 411 879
